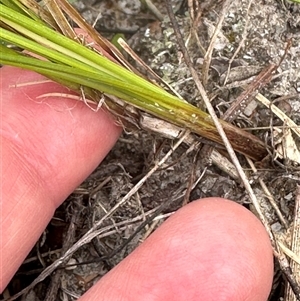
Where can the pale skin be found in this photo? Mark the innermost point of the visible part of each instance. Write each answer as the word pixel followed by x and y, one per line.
pixel 212 249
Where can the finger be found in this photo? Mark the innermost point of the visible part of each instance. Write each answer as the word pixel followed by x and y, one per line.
pixel 212 249
pixel 48 147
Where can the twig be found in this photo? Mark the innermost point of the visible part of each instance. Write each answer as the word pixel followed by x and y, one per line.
pixel 208 54
pixel 246 97
pixel 287 272
pixel 283 117
pixel 138 60
pixel 154 10
pixel 195 12
pixel 263 78
pixel 244 35
pixel 269 195
pixel 295 247
pixel 171 131
pixel 191 180
pixel 68 241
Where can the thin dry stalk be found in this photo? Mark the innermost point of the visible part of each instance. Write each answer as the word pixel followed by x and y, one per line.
pixel 150 229
pixel 241 44
pixel 52 290
pixel 171 131
pixel 295 248
pixel 195 14
pixel 60 19
pixel 262 79
pixel 246 97
pixel 209 52
pixel 286 270
pixel 100 233
pixel 154 10
pixel 283 117
pixel 139 61
pixel 191 180
pixel 269 196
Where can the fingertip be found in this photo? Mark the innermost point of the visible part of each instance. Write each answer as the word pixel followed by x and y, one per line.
pixel 211 249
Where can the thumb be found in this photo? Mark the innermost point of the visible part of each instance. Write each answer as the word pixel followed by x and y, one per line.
pixel 211 249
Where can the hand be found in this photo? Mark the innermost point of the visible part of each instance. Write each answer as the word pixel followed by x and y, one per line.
pixel 211 249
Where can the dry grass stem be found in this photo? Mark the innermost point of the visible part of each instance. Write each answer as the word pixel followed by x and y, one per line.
pixel 268 195
pixel 241 44
pixel 147 69
pixel 295 247
pixel 249 93
pixel 101 233
pixel 171 131
pixel 283 117
pixel 209 51
pixel 154 10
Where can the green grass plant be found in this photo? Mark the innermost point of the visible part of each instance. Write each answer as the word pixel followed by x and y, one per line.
pixel 64 57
